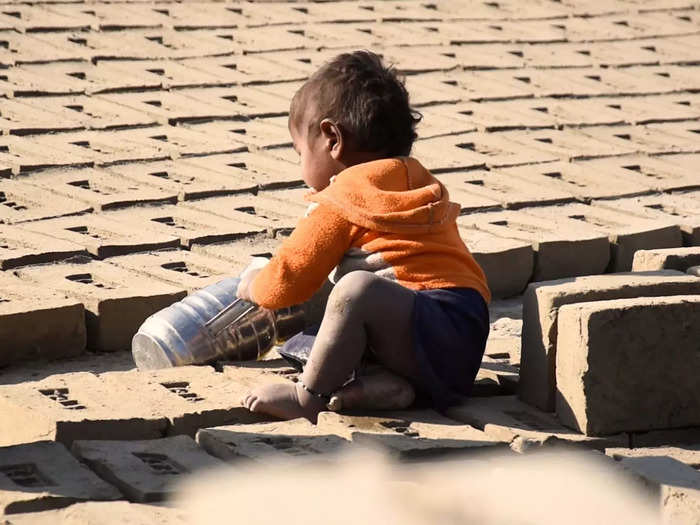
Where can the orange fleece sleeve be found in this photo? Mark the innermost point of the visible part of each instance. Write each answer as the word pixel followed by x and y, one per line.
pixel 304 260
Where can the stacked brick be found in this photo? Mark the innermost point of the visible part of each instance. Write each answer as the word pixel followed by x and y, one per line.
pixel 144 154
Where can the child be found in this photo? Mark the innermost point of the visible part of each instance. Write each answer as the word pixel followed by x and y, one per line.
pixel 407 290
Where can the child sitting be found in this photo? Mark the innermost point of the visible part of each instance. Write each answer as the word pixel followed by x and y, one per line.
pixel 408 292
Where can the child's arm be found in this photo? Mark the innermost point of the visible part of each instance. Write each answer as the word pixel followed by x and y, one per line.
pixel 304 260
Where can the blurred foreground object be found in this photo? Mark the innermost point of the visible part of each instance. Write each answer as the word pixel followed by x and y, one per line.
pixel 540 488
pixel 212 324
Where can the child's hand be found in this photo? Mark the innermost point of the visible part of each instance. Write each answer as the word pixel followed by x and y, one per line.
pixel 248 276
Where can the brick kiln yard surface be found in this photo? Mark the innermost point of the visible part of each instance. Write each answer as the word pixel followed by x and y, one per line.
pixel 568 131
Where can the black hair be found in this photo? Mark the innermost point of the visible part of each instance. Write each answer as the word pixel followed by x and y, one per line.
pixel 365 99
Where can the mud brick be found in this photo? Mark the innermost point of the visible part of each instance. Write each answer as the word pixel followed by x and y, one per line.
pixel 89 112
pixel 437 119
pixel 157 143
pixel 510 192
pixel 562 247
pixel 541 303
pixel 268 39
pixel 460 191
pixel 101 236
pixel 75 77
pixel 22 202
pixel 256 133
pixel 248 69
pixel 332 35
pixel 19 155
pixel 665 173
pixel 484 85
pixel 567 144
pixel 397 433
pixel 168 74
pixel 38 323
pixel 24 48
pixel 104 147
pixel 259 168
pixel 100 189
pixel 432 88
pixel 72 406
pixel 28 80
pixel 237 254
pixel 116 301
pixel 585 111
pixel 192 178
pixel 144 471
pixel 261 212
pixel 189 224
pixel 544 82
pixel 262 442
pixel 20 247
pixel 688 455
pixel 493 116
pixel 208 15
pixel 507 419
pixel 651 139
pixel 507 263
pixel 175 107
pixel 261 14
pixel 592 351
pixel 682 209
pixel 249 101
pixel 480 56
pixel 20 118
pixel 106 513
pixel 576 179
pixel 43 475
pixel 681 259
pixel 675 485
pixel 651 109
pixel 682 136
pixel 36 18
pixel 627 233
pixel 474 150
pixel 165 43
pixel 192 397
pixel 182 268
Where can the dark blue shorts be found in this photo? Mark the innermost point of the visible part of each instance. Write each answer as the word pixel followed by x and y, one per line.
pixel 450 328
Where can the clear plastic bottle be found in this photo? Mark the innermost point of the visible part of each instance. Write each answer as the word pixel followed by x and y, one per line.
pixel 209 325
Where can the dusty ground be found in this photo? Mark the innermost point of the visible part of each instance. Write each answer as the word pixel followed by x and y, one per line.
pixel 567 131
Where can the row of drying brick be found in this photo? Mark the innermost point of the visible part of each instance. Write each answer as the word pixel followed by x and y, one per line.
pixel 444 151
pixel 477 181
pixel 551 236
pixel 80 40
pixel 73 75
pixel 613 353
pixel 145 470
pixel 258 118
pixel 104 16
pixel 434 77
pixel 149 471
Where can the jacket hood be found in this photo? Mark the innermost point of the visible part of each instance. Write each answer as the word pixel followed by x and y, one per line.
pixel 395 195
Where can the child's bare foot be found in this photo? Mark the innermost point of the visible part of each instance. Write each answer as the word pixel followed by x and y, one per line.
pixel 281 400
pixel 379 390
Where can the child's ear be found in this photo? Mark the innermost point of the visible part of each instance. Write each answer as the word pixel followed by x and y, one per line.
pixel 333 137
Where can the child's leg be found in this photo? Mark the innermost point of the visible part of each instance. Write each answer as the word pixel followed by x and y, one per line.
pixel 363 309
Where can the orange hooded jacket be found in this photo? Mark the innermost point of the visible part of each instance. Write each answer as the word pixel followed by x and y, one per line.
pixel 389 216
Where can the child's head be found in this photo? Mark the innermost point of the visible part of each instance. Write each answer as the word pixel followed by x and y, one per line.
pixel 353 109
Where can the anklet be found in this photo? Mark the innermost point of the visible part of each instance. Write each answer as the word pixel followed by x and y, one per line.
pixel 333 402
